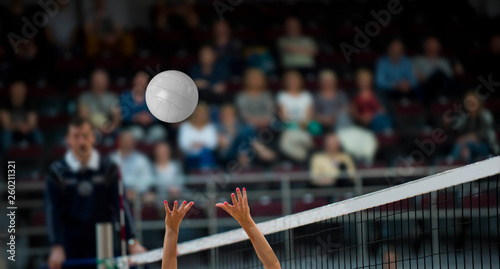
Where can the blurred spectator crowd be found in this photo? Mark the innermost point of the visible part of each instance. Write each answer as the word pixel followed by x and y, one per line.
pixel 275 89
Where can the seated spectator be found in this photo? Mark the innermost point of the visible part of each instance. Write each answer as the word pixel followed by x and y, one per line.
pixel 135 113
pixel 327 166
pixel 255 104
pixel 394 77
pixel 295 103
pixel 434 72
pixel 331 105
pixel 260 57
pixel 19 118
pixel 476 133
pixel 297 50
pixel 296 111
pixel 489 64
pixel 135 167
pixel 30 62
pixel 198 139
pixel 431 63
pixel 21 47
pixel 174 14
pixel 366 109
pixel 209 75
pixel 103 107
pixel 168 173
pixel 226 48
pixel 61 30
pixel 237 141
pixel 231 134
pixel 105 29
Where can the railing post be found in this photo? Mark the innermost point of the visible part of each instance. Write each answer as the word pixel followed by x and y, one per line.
pixel 211 189
pixel 286 195
pixel 286 198
pixel 104 241
pixel 358 185
pixel 138 221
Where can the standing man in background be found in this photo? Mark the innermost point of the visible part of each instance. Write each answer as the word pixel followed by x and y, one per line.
pixel 82 190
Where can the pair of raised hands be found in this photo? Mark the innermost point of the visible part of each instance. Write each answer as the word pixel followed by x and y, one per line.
pixel 239 210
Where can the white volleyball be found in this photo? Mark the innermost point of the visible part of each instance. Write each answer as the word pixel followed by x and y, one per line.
pixel 171 96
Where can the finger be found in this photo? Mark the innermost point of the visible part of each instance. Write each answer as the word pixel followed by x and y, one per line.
pixel 175 207
pixel 51 265
pixel 233 197
pixel 183 205
pixel 240 198
pixel 226 206
pixel 245 196
pixel 167 209
pixel 188 206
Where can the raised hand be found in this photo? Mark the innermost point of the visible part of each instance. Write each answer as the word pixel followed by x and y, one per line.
pixel 239 210
pixel 174 217
pixel 57 257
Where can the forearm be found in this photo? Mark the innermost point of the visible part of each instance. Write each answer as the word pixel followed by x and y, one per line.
pixel 307 51
pixel 260 244
pixel 5 120
pixel 170 249
pixel 32 120
pixel 116 119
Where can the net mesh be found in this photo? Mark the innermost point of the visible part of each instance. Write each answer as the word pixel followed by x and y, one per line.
pixel 456 227
pixel 447 227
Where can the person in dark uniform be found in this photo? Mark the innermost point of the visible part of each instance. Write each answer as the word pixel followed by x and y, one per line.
pixel 82 190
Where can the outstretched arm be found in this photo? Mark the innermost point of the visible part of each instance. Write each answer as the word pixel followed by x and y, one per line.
pixel 241 212
pixel 173 219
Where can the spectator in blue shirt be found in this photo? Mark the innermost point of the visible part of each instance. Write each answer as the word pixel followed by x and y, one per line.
pixel 210 75
pixel 135 113
pixel 394 76
pixel 226 48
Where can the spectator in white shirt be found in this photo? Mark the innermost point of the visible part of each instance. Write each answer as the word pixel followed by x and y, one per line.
pixel 135 167
pixel 295 103
pixel 168 174
pixel 61 30
pixel 198 139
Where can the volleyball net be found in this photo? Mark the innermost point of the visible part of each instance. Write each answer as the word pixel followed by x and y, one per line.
pixel 447 220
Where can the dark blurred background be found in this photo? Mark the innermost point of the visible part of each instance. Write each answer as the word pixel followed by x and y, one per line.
pixel 326 99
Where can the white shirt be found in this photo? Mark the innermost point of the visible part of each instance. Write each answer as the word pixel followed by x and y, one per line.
pixel 296 106
pixel 64 23
pixel 136 170
pixel 189 135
